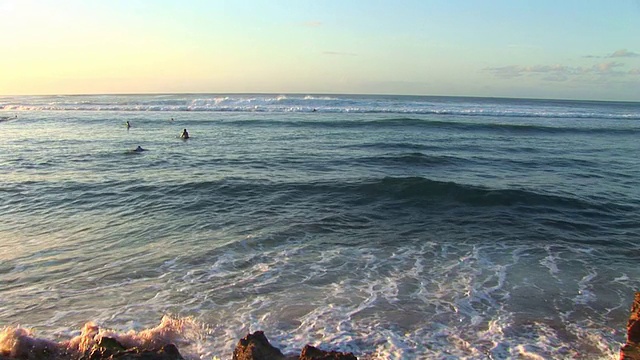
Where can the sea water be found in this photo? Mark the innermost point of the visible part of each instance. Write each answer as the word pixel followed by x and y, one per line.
pixel 394 227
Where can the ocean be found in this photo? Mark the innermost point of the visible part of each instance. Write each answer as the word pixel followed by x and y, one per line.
pixel 393 227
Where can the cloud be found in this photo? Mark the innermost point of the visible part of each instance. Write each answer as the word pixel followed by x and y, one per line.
pixel 339 53
pixel 556 72
pixel 606 67
pixel 616 54
pixel 506 72
pixel 623 53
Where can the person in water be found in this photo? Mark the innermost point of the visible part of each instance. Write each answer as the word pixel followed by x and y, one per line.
pixel 185 134
pixel 128 124
pixel 139 149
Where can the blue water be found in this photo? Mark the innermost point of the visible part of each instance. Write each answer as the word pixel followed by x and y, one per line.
pixel 393 227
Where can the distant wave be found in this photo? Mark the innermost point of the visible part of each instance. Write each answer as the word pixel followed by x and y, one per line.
pixel 308 109
pixel 320 104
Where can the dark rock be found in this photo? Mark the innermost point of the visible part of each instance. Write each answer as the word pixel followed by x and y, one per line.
pixel 256 347
pixel 631 350
pixel 114 351
pixel 110 343
pixel 105 348
pixel 167 352
pixel 312 353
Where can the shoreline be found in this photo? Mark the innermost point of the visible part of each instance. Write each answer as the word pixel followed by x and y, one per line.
pixel 158 344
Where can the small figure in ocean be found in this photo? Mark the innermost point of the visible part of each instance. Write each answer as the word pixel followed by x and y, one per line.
pixel 171 119
pixel 128 125
pixel 139 149
pixel 314 110
pixel 184 135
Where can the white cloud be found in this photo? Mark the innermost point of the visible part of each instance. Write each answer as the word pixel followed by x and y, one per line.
pixel 616 54
pixel 556 72
pixel 623 53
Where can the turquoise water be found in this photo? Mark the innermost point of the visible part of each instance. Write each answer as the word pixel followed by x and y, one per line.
pixel 392 227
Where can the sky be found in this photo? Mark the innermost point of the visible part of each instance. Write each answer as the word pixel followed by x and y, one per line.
pixel 553 49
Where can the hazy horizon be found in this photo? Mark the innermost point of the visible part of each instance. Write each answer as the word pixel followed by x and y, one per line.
pixel 570 50
pixel 318 94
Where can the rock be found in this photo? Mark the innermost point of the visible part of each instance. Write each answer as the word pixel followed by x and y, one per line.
pixel 110 349
pixel 105 348
pixel 312 353
pixel 631 350
pixel 167 352
pixel 256 347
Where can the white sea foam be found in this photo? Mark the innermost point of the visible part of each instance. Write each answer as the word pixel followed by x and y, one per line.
pixel 20 343
pixel 425 300
pixel 398 303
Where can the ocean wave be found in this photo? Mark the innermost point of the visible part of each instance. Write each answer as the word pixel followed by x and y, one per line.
pixel 321 104
pixel 410 158
pixel 430 123
pixel 414 191
pixel 499 127
pixel 309 109
pixel 421 190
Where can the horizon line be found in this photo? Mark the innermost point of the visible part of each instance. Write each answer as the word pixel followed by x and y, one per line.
pixel 319 93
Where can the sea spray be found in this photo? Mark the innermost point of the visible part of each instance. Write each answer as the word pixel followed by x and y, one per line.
pixel 185 333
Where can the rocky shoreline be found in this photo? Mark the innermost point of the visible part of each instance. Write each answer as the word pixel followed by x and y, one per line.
pixel 253 346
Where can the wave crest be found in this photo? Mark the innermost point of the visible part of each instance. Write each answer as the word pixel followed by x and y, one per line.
pixel 433 106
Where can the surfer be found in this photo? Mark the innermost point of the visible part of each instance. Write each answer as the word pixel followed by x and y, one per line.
pixel 128 125
pixel 139 149
pixel 184 135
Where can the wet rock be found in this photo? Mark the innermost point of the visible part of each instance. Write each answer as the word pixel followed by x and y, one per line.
pixel 167 352
pixel 312 353
pixel 105 348
pixel 631 350
pixel 256 347
pixel 110 349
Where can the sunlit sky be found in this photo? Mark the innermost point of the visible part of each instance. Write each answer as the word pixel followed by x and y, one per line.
pixel 567 49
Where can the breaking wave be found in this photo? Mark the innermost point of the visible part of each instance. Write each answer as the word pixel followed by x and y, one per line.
pixel 314 103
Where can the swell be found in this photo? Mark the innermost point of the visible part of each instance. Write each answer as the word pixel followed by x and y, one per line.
pixel 307 109
pixel 431 124
pixel 406 191
pixel 410 159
